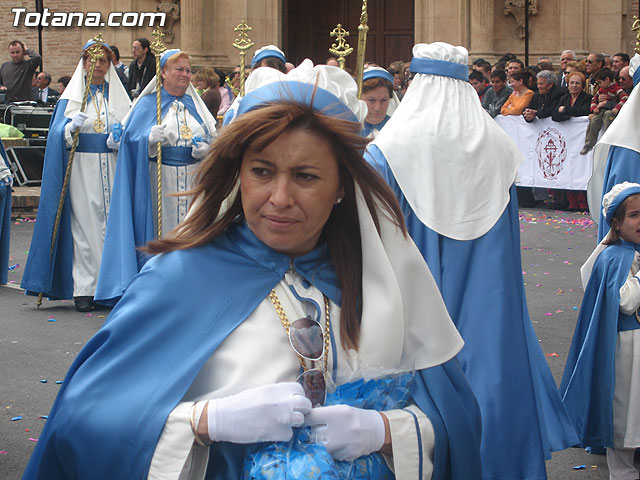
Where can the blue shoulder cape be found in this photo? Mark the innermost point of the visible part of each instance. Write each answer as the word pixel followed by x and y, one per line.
pixel 523 419
pixel 623 165
pixel 370 127
pixel 589 376
pixel 131 223
pixel 46 273
pixel 5 222
pixel 119 391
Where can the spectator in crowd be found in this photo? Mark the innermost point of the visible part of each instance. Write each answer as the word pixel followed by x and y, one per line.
pixel 42 92
pixel 619 60
pixel 477 81
pixel 226 94
pixel 521 96
pixel 332 62
pixel 545 59
pixel 399 86
pixel 575 103
pixel 499 66
pixel 546 66
pixel 607 60
pixel 565 57
pixel 594 63
pixel 605 105
pixel 120 67
pixel 514 65
pixel 625 80
pixel 16 76
pixel 483 67
pixel 545 100
pixel 495 97
pixel 269 56
pixel 532 78
pixel 63 82
pixel 142 68
pixel 206 82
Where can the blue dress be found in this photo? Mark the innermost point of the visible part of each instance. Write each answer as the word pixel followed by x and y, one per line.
pixel 523 419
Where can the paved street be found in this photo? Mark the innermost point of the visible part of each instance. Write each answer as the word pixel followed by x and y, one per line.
pixel 37 346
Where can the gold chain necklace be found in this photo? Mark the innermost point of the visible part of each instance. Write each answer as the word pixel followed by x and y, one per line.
pixel 273 296
pixel 185 131
pixel 98 124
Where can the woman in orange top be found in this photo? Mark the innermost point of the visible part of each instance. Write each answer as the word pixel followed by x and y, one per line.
pixel 521 96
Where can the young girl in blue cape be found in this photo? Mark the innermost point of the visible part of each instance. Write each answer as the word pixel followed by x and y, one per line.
pixel 292 237
pixel 601 381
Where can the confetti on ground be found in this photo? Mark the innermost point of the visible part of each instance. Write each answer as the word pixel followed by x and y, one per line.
pixel 13 267
pixel 89 315
pixel 538 285
pixel 559 311
pixel 58 382
pixel 51 319
pixel 579 467
pixel 574 308
pixel 548 314
pixel 44 380
pixel 26 429
pixel 15 419
pixel 33 439
pixel 552 355
pixel 3 452
pixel 560 291
pixel 43 416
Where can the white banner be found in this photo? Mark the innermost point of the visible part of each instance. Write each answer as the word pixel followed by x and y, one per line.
pixel 551 151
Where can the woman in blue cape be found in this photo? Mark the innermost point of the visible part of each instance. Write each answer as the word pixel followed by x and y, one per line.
pixel 453 170
pixel 6 182
pixel 600 385
pixel 293 243
pixel 185 132
pixel 72 270
pixel 380 97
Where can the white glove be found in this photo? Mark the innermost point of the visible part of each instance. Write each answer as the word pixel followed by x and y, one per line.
pixel 200 150
pixel 157 134
pixel 261 414
pixel 8 181
pixel 78 120
pixel 347 432
pixel 111 143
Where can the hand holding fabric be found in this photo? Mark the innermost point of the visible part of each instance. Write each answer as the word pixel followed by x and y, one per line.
pixel 347 432
pixel 8 181
pixel 157 134
pixel 78 120
pixel 116 130
pixel 112 143
pixel 261 414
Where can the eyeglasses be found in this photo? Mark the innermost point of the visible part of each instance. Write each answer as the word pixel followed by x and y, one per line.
pixel 588 61
pixel 309 342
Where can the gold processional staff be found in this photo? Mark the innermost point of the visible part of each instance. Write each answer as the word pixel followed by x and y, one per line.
pixel 242 43
pixel 363 28
pixel 95 52
pixel 340 48
pixel 158 48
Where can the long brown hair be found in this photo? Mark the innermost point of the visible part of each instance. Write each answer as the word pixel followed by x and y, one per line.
pixel 218 178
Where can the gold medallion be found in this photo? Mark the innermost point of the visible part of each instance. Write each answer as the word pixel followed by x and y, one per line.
pixel 98 125
pixel 185 132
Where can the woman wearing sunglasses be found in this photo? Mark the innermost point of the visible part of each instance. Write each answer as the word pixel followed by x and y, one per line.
pixel 293 264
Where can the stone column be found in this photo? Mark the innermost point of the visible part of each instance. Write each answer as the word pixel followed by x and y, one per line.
pixel 482 27
pixel 191 25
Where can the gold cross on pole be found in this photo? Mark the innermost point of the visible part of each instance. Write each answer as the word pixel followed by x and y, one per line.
pixel 242 43
pixel 340 49
pixel 635 28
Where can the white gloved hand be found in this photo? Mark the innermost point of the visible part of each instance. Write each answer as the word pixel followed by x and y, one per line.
pixel 8 181
pixel 347 432
pixel 111 143
pixel 200 150
pixel 157 134
pixel 78 120
pixel 261 414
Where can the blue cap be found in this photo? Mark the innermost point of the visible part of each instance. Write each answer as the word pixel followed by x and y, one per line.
pixel 266 52
pixel 441 68
pixel 93 42
pixel 167 55
pixel 377 73
pixel 615 204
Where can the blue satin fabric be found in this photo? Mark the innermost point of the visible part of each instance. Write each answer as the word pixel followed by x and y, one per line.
pixel 93 143
pixel 120 389
pixel 370 127
pixel 623 165
pixel 441 68
pixel 588 381
pixel 131 213
pixel 5 222
pixel 523 419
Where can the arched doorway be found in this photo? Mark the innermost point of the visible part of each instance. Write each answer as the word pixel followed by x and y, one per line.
pixel 307 24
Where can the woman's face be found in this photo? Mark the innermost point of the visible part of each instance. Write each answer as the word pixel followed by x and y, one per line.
pixel 377 101
pixel 630 225
pixel 289 189
pixel 176 76
pixel 100 70
pixel 575 85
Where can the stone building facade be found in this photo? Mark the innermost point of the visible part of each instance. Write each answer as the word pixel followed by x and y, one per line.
pixel 205 28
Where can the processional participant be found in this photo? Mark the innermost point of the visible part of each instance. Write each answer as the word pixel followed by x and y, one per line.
pixel 71 270
pixel 379 95
pixel 185 133
pixel 600 383
pixel 294 262
pixel 616 157
pixel 453 170
pixel 6 182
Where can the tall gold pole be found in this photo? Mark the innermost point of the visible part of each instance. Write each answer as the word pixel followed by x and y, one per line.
pixel 363 28
pixel 158 48
pixel 95 52
pixel 340 49
pixel 242 43
pixel 635 28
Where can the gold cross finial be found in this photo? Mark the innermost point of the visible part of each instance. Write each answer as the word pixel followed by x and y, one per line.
pixel 340 49
pixel 157 47
pixel 243 42
pixel 95 50
pixel 635 28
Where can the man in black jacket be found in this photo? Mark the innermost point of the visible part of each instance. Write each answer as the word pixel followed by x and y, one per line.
pixel 142 68
pixel 546 99
pixel 42 92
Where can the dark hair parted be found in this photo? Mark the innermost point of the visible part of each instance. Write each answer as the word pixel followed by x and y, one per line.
pixel 375 82
pixel 218 177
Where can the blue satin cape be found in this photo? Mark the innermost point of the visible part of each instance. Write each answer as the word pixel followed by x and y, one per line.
pixel 119 391
pixel 131 213
pixel 588 381
pixel 523 419
pixel 5 222
pixel 623 165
